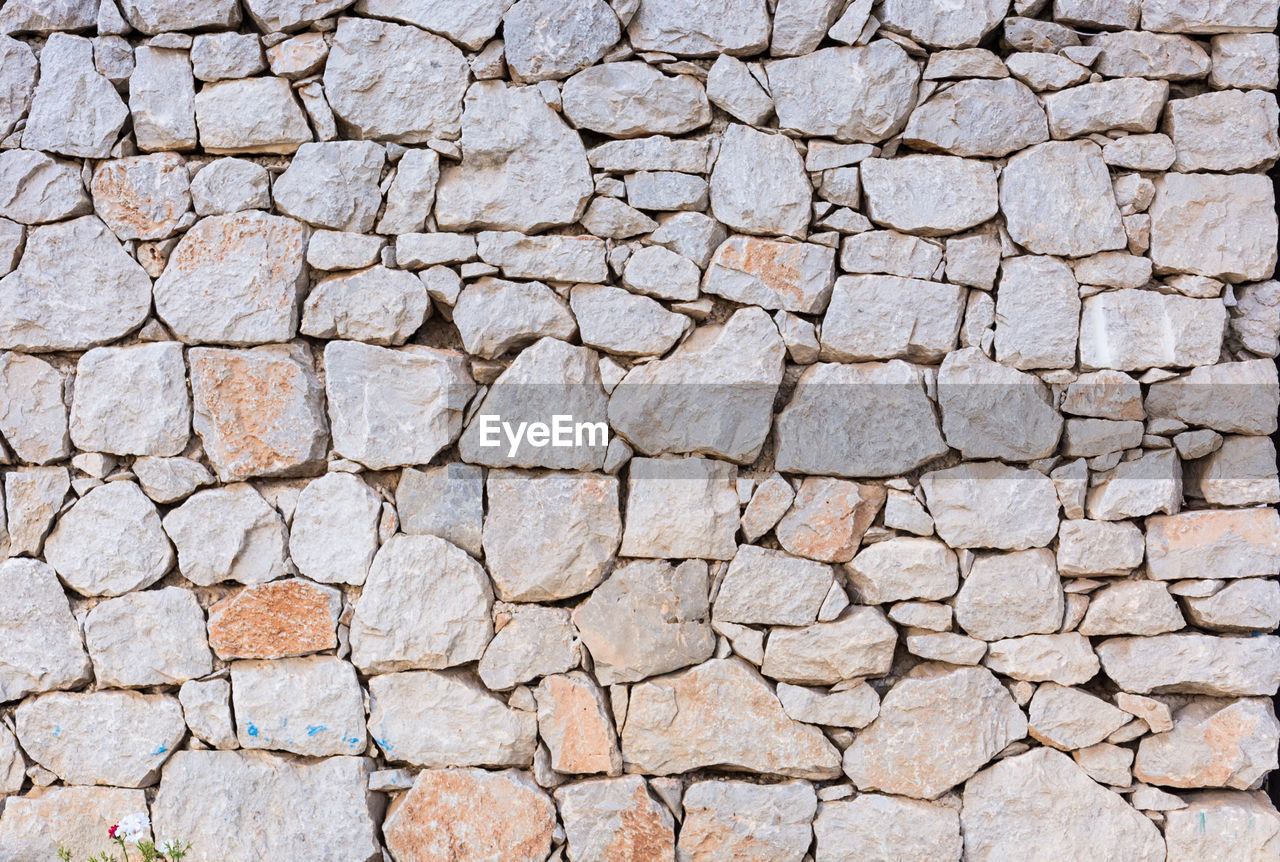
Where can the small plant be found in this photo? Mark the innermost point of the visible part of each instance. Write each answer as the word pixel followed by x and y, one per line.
pixel 130 832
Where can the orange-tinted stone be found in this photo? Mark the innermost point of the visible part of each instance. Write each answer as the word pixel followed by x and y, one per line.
pixel 829 518
pixel 282 618
pixel 573 720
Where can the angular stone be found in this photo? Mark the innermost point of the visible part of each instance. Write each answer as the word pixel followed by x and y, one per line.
pixel 437 719
pixel 1193 664
pixel 929 195
pixel 666 190
pixel 1179 16
pixel 35 497
pixel 522 167
pixel 615 819
pixel 550 258
pixel 619 322
pixel 1132 608
pixel 36 188
pixel 961 500
pixel 877 826
pixel 536 641
pixel 250 115
pixel 1092 548
pixel 1068 718
pixel 43 650
pixel 470 26
pixel 903 568
pixel 132 400
pixel 992 411
pixel 162 99
pixel 1200 128
pixel 886 317
pixel 1245 60
pixel 218 56
pixel 334 532
pixel 152 17
pixel 497 815
pixel 964 711
pixel 77 818
pixel 772 499
pixel 1136 329
pixel 682 508
pixel 376 305
pixel 1037 313
pixel 235 279
pixel 1042 803
pixel 445 501
pixel 849 94
pixel 747 822
pixel 1128 104
pixel 978 118
pixel 1067 659
pixel 206 706
pixel 1217 824
pixel 75 110
pixel 258 411
pixel 720 713
pixel 758 185
pixel 319 695
pixel 872 419
pixel 547 40
pixel 575 723
pixel 1010 595
pixel 230 185
pixel 629 99
pixel 413 412
pixel 1148 484
pixel 155 637
pixel 829 519
pixel 686 27
pixel 1057 199
pixel 661 273
pixel 425 604
pixel 333 185
pixel 1231 397
pixel 773 588
pixel 326 800
pixel 858 644
pixel 143 197
pixel 17 81
pixel 228 533
pixel 892 253
pixel 1216 226
pixel 1241 472
pixel 276 620
pixel 33 414
pixel 771 274
pixel 648 618
pixel 117 738
pixel 732 87
pixel 960 26
pixel 85 547
pixel 1244 606
pixel 1213 743
pixel 494 316
pixel 75 287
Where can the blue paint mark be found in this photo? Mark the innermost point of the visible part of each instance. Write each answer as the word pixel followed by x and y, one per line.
pixel 161 750
pixel 351 740
pixel 384 745
pixel 313 729
pixel 57 731
pixel 251 729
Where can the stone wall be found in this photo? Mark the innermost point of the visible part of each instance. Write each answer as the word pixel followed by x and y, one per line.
pixel 911 495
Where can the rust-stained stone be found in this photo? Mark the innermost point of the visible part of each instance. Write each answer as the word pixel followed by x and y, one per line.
pixel 773 274
pixel 829 518
pixel 575 722
pixel 1232 543
pixel 615 820
pixel 283 618
pixel 142 197
pixel 473 815
pixel 258 411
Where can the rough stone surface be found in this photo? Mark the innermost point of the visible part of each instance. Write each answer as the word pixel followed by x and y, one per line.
pixel 228 533
pixel 110 542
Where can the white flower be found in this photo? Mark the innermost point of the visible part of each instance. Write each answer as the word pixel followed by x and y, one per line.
pixel 134 827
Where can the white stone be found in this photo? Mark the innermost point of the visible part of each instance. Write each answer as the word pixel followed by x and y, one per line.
pixel 759 185
pixel 33 414
pixel 155 637
pixel 546 40
pixel 444 501
pixel 228 533
pixel 332 185
pixel 886 317
pixel 772 274
pixel 903 568
pixel 311 706
pixel 680 508
pixel 747 822
pixel 1037 313
pixel 688 27
pixel 334 532
pixel 878 826
pixel 628 99
pixel 1010 595
pixel 1190 663
pixel 618 322
pixel 992 411
pixel 250 115
pixel 132 400
pixel 772 588
pixel 75 110
pixel 495 316
pixel 980 118
pixel 375 305
pixel 43 650
pixel 162 100
pixel 36 188
pixel 1135 329
pixel 1213 225
pixel 1057 199
pixel 929 195
pixel 85 547
pixel 962 502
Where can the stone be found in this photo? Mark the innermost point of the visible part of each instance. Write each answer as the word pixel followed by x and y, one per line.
pixel 1068 718
pixel 929 195
pixel 1191 663
pixel 17 81
pixel 1244 606
pixel 728 373
pixel 1251 325
pixel 979 118
pixel 1216 226
pixel 250 115
pixel 1215 820
pixel 132 400
pixel 1241 472
pixel 418 250
pixel 153 17
pixel 375 305
pixel 495 316
pixel 36 188
pixel 886 317
pixel 436 719
pixel 33 414
pixel 168 480
pixel 319 693
pixel 577 513
pixel 218 56
pixel 1198 127
pixel 1067 659
pixel 547 41
pixel 74 288
pixel 680 509
pixel 615 819
pixel 1136 329
pixel 1131 608
pixel 859 643
pixel 747 822
pixel 1037 313
pixel 85 547
pixel 35 497
pixel 1231 397
pixel 43 650
pixel 630 99
pixel 575 723
pixel 1092 548
pixel 258 411
pixel 647 618
pixel 684 27
pixel 773 588
pixel 661 273
pixel 610 218
pixel 618 322
pixel 656 153
pixel 1140 152
pixel 1057 199
pixel 1245 60
pixel 550 258
pixel 235 279
pixel 276 620
pixel 1041 802
pixel 118 738
pixel 143 197
pixel 895 431
pixel 772 274
pixel 963 710
pixel 1176 16
pixel 230 185
pixel 904 567
pixel 878 85
pixel 666 190
pixel 1148 484
pixel 1213 743
pixel 162 100
pixel 536 641
pixel 525 176
pixel 413 580
pixel 470 27
pixel 326 800
pixel 334 532
pixel 228 533
pixel 1104 394
pixel 499 815
pixel 771 500
pixel 758 185
pixel 412 193
pixel 414 412
pixel 960 500
pixel 1010 595
pixel 878 826
pixel 445 501
pixel 75 110
pixel 829 519
pixel 206 706
pixel 76 818
pixel 1128 104
pixel 720 713
pixel 992 411
pixel 959 26
pixel 156 637
pixel 732 88
pixel 333 185
pixel 547 379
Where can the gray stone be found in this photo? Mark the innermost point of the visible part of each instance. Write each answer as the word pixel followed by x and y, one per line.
pixel 732 88
pixel 1231 397
pixel 978 118
pixel 1180 16
pixel 612 817
pixel 445 501
pixel 904 567
pixel 168 480
pixel 1217 226
pixel 250 115
pixel 1128 104
pixel 470 26
pixel 1057 199
pixel 681 508
pixel 547 40
pixel 162 100
pixel 621 323
pixel 412 194
pixel 375 305
pixel 690 28
pixel 85 547
pixel 772 588
pixel 333 185
pixel 1148 484
pixel 495 316
pixel 1010 595
pixel 661 273
pixel 535 641
pixel 929 195
pixel 878 826
pixel 157 16
pixel 34 497
pixel 206 706
pixel 992 411
pixel 143 197
pixel 311 706
pixel 885 317
pixel 75 110
pixel 36 188
pixel 230 185
pixel 747 822
pixel 629 99
pixel 218 56
pixel 1224 131
pixel 961 25
pixel 1037 313
pixel 963 499
pixel 274 16
pixel 43 650
pixel 17 82
pixel 759 185
pixel 549 258
pixel 334 532
pixel 132 400
pixel 859 643
pixel 1136 329
pixel 33 414
pixel 1191 663
pixel 892 253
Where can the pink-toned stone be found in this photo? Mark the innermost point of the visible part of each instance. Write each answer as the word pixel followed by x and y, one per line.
pixel 1230 543
pixel 829 518
pixel 142 197
pixel 575 722
pixel 615 820
pixel 283 618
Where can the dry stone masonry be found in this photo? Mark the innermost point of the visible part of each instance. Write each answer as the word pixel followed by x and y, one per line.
pixel 640 430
